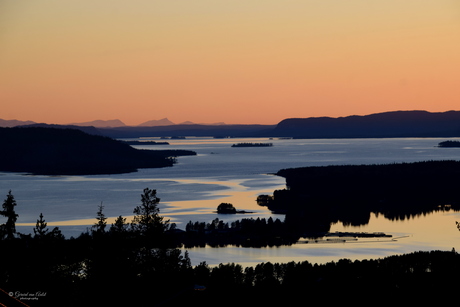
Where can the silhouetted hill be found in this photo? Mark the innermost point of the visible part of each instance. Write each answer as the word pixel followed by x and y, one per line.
pixel 86 129
pixel 157 122
pixel 52 151
pixel 388 124
pixel 14 123
pixel 101 123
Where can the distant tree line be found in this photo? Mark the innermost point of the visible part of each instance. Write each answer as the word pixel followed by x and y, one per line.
pixel 133 264
pixel 246 232
pixel 252 145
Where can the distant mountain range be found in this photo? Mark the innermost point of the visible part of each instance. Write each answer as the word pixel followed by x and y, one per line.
pixel 101 123
pixel 14 123
pixel 159 122
pixel 167 122
pixel 114 123
pixel 387 124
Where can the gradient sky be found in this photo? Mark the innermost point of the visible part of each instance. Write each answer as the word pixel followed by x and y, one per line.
pixel 233 61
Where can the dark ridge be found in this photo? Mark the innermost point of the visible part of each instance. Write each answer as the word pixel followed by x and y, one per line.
pixel 388 124
pixel 86 129
pixel 52 151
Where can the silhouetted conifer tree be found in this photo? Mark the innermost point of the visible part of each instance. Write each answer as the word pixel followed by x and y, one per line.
pixel 9 228
pixel 120 225
pixel 147 220
pixel 40 229
pixel 101 223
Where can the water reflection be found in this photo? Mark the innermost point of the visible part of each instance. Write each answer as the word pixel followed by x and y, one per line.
pixel 435 231
pixel 192 189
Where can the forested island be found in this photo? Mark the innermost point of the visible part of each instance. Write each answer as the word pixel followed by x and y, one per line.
pixel 449 144
pixel 55 151
pixel 145 143
pixel 136 264
pixel 252 145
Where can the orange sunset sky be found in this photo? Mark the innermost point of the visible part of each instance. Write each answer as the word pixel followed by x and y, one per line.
pixel 232 61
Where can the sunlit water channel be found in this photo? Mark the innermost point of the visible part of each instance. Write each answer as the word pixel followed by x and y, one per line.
pixel 192 189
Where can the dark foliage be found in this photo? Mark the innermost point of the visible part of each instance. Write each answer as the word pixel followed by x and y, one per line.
pixel 246 232
pixel 8 229
pixel 115 268
pixel 226 208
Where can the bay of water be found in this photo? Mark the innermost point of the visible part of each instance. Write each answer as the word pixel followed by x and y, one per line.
pixel 192 189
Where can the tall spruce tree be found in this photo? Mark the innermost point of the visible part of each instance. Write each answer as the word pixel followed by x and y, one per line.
pixel 101 223
pixel 41 229
pixel 9 228
pixel 147 220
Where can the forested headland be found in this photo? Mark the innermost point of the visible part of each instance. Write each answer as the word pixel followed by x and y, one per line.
pixel 315 197
pixel 54 151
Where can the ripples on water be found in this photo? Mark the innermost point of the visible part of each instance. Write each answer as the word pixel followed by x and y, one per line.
pixel 192 189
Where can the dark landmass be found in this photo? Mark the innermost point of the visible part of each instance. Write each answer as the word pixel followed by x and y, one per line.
pixel 387 124
pixel 318 196
pixel 226 208
pixel 145 143
pixel 86 129
pixel 449 144
pixel 380 125
pixel 138 265
pixel 51 151
pixel 358 234
pixel 252 145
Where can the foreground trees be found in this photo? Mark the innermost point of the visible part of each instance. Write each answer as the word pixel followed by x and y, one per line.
pixel 129 259
pixel 136 268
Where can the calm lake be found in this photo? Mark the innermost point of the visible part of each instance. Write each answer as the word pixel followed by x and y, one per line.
pixel 192 189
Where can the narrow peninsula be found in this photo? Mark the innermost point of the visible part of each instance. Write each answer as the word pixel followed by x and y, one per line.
pixel 252 145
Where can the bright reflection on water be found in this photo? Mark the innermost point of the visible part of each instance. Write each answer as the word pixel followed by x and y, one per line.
pixel 192 189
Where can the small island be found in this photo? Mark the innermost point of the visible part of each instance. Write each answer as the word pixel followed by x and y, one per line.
pixel 449 144
pixel 145 143
pixel 226 208
pixel 252 145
